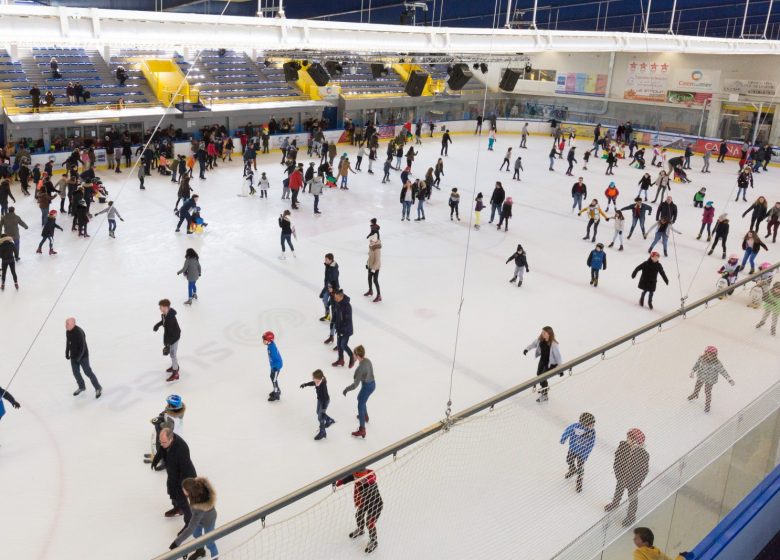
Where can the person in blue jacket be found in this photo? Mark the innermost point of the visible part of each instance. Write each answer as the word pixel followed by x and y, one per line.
pixel 275 360
pixel 597 259
pixel 9 397
pixel 581 437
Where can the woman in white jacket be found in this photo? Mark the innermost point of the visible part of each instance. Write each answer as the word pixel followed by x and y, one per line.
pixel 373 265
pixel 549 354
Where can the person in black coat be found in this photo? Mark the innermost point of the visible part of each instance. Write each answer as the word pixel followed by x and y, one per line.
pixel 631 465
pixel 332 280
pixel 10 398
pixel 496 200
pixel 759 212
pixel 8 260
pixel 723 149
pixel 184 212
pixel 648 280
pixel 446 140
pixel 342 320
pixel 35 95
pixel 171 336
pixel 77 352
pixel 178 465
pixel 667 209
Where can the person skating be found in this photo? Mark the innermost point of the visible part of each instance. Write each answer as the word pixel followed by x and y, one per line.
pixel 521 265
pixel 638 211
pixel 331 280
pixel 315 188
pixel 8 260
pixel 184 213
pixel 579 191
pixel 773 222
pixel 699 197
pixel 707 216
pixel 202 498
pixel 545 348
pixel 648 280
pixel 77 352
pixel 723 149
pixel 438 173
pixel 295 184
pixel 342 319
pixel 364 376
pixel 662 185
pixel 478 207
pixel 446 140
pixel 368 505
pixel 611 192
pixel 771 307
pixel 506 214
pixel 192 272
pixel 171 417
pixel 5 194
pixel 407 198
pixel 113 214
pixel 496 200
pixel 571 160
pixel 552 155
pixel 644 185
pixel 585 160
pixel 707 369
pixel 275 362
pixel 611 162
pixel 47 233
pixel 178 467
pixel 421 192
pixel 454 202
pixel 263 184
pixel 373 265
pixel 631 465
pixel 581 437
pixel 759 213
pixel 721 234
pixel 11 400
pixel 597 260
pixel 752 244
pixel 171 336
pixel 744 180
pixel 286 233
pixel 507 160
pixel 662 227
pixel 82 217
pixel 595 213
pixel 320 383
pixel 619 222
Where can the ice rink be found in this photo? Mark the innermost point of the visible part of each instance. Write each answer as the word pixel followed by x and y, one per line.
pixel 75 485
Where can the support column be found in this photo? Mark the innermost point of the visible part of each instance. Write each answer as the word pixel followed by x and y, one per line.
pixel 774 130
pixel 713 119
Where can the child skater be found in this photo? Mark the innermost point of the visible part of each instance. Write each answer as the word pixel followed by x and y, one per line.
pixel 521 265
pixel 506 213
pixel 707 369
pixel 585 159
pixel 707 215
pixel 619 223
pixel 581 437
pixel 611 192
pixel 47 233
pixel 113 214
pixel 319 382
pixel 249 179
pixel 771 307
pixel 263 184
pixel 597 259
pixel 478 207
pixel 454 203
pixel 275 361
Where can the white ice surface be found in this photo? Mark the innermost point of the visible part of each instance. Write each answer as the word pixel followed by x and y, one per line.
pixel 73 481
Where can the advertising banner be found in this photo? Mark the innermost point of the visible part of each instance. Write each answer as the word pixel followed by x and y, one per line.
pixel 581 83
pixel 695 80
pixel 647 81
pixel 750 87
pixel 687 97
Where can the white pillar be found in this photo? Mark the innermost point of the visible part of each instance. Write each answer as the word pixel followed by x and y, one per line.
pixel 713 118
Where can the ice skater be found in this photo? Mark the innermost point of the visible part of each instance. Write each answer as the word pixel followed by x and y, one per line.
pixel 287 233
pixel 368 505
pixel 331 281
pixel 771 308
pixel 581 437
pixel 518 168
pixel 8 260
pixel 638 211
pixel 373 265
pixel 648 280
pixel 631 465
pixel 521 265
pixel 11 400
pixel 545 348
pixel 595 213
pixel 507 160
pixel 662 227
pixel 597 260
pixel 202 499
pixel 342 319
pixel 320 383
pixel 619 223
pixel 275 361
pixel 192 272
pixel 171 336
pixel 506 214
pixel 478 207
pixel 113 214
pixel 454 202
pixel 77 352
pixel 707 369
pixel 364 376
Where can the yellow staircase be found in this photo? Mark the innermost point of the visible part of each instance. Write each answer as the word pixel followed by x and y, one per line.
pixel 168 82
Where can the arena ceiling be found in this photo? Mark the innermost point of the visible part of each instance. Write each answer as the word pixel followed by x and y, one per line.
pixel 714 18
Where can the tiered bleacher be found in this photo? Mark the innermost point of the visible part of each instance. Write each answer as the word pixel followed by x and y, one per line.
pixel 233 77
pixel 357 79
pixel 130 59
pixel 11 74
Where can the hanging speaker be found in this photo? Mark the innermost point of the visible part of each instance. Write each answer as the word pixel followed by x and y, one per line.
pixel 376 70
pixel 416 83
pixel 290 73
pixel 459 77
pixel 318 74
pixel 509 79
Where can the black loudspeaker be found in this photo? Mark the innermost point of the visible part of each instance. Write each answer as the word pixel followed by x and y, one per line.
pixel 459 77
pixel 376 70
pixel 509 80
pixel 333 67
pixel 318 74
pixel 290 72
pixel 416 83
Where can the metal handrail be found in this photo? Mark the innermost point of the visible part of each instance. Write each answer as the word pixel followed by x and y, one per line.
pixel 261 513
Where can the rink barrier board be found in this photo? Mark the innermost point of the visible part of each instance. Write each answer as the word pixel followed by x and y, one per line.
pixel 392 450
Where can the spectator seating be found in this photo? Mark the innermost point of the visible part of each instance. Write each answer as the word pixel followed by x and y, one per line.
pixel 357 80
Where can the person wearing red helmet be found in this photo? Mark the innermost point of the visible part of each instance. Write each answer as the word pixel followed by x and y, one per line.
pixel 707 370
pixel 631 465
pixel 368 504
pixel 275 361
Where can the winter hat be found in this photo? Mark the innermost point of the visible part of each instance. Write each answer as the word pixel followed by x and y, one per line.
pixel 709 203
pixel 711 350
pixel 612 183
pixel 509 200
pixel 636 435
pixel 52 213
